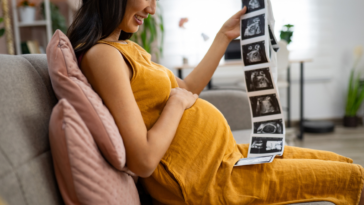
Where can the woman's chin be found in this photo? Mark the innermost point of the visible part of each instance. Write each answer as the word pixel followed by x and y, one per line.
pixel 136 29
pixel 132 30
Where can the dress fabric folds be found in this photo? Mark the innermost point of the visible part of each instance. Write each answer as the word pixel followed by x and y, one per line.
pixel 198 166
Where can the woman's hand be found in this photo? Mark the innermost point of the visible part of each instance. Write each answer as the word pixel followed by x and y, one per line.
pixel 231 28
pixel 183 96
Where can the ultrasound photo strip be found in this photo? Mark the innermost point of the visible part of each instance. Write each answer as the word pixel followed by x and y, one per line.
pixel 258 47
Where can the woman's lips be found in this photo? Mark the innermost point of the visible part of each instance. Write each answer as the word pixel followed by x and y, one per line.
pixel 139 22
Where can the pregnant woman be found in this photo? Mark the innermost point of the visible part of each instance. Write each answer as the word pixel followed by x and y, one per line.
pixel 181 146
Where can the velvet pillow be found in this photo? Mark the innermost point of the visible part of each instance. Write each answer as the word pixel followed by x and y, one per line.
pixel 69 82
pixel 83 175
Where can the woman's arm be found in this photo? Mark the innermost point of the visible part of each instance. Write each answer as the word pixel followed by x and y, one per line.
pixel 197 80
pixel 109 75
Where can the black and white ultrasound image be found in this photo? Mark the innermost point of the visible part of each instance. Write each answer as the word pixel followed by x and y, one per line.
pixel 254 53
pixel 265 105
pixel 253 27
pixel 259 79
pixel 253 5
pixel 262 145
pixel 269 127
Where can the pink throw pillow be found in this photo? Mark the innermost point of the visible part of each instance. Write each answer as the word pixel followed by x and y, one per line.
pixel 83 175
pixel 69 82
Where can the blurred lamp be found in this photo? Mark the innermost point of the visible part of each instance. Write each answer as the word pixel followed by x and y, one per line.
pixel 205 37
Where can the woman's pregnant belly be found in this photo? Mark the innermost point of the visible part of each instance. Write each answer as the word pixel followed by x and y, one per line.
pixel 203 139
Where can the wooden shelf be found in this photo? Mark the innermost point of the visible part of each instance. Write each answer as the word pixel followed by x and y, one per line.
pixel 17 25
pixel 35 23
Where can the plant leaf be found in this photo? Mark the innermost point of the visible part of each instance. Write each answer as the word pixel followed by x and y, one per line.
pixel 150 31
pixel 161 27
pixel 1 19
pixel 354 94
pixel 143 37
pixel 2 31
pixel 349 97
pixel 358 103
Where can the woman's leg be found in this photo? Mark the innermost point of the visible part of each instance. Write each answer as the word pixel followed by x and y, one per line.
pixel 291 152
pixel 286 181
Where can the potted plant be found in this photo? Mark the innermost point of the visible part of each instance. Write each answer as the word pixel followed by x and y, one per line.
pixel 2 30
pixel 27 11
pixel 355 95
pixel 287 33
pixel 148 34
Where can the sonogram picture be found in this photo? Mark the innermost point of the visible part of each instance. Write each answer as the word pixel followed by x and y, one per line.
pixel 253 5
pixel 253 27
pixel 268 127
pixel 263 145
pixel 264 105
pixel 258 79
pixel 258 46
pixel 254 53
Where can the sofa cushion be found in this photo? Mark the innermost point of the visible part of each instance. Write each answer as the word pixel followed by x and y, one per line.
pixel 68 82
pixel 26 99
pixel 83 175
pixel 233 104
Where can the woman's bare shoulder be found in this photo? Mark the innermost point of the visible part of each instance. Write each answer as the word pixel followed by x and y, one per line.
pixel 104 54
pixel 102 61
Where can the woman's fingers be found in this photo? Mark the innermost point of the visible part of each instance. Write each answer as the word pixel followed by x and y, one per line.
pixel 239 13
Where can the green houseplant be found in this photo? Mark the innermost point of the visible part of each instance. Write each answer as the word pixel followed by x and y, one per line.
pixel 287 33
pixel 355 95
pixel 2 30
pixel 58 20
pixel 149 32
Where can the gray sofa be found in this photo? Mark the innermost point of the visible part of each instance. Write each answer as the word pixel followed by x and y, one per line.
pixel 26 102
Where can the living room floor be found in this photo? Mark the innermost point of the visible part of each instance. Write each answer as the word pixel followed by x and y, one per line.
pixel 348 142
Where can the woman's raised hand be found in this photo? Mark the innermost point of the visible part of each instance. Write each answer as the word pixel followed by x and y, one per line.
pixel 183 96
pixel 231 27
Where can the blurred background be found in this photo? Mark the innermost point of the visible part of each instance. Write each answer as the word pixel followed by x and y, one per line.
pixel 324 37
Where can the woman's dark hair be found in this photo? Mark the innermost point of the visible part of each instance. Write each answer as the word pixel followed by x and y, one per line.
pixel 96 20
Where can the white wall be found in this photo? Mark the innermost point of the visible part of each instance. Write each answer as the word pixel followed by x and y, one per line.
pixel 325 30
pixel 205 16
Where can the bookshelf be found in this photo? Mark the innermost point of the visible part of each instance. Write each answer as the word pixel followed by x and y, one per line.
pixel 17 25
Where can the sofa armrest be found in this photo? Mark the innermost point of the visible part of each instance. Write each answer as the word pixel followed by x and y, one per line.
pixel 233 104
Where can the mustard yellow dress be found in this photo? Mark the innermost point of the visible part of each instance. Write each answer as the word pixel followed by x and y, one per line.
pixel 198 166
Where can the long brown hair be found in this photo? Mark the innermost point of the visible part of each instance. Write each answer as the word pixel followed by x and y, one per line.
pixel 96 20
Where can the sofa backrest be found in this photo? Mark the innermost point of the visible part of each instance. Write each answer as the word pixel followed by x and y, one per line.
pixel 26 102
